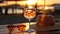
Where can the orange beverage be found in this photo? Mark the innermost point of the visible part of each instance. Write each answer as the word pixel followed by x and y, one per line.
pixel 45 20
pixel 21 28
pixel 29 14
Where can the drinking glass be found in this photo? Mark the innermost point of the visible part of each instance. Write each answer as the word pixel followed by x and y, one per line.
pixel 29 14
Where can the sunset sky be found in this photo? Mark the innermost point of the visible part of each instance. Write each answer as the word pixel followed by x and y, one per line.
pixel 48 2
pixel 39 2
pixel 53 1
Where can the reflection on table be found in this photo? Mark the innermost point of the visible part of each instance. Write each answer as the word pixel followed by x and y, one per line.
pixel 54 30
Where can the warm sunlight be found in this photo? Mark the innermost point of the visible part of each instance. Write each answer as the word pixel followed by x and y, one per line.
pixel 31 2
pixel 46 8
pixel 49 7
pixel 30 7
pixel 21 2
pixel 40 2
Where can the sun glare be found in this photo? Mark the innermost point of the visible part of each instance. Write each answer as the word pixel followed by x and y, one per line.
pixel 30 2
pixel 46 7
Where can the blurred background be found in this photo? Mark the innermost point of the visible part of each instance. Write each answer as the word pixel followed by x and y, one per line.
pixel 11 11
